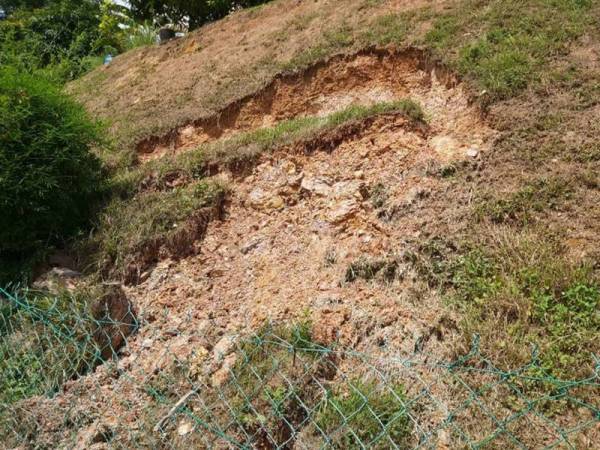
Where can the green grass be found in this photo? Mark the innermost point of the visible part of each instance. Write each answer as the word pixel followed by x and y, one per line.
pixel 141 36
pixel 504 46
pixel 365 414
pixel 519 207
pixel 333 41
pixel 387 29
pixel 519 290
pixel 45 340
pixel 133 229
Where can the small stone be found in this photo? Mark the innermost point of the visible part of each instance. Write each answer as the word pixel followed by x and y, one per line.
pixel 295 180
pixel 249 246
pixel 184 428
pixel 275 202
pixel 445 145
pixel 224 347
pixel 344 211
pixel 347 189
pixel 260 199
pixel 472 152
pixel 317 186
pixel 359 174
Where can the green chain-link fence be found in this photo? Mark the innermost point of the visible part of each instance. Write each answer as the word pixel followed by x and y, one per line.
pixel 273 389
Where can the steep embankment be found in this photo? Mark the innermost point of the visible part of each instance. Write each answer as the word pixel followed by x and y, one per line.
pixel 390 205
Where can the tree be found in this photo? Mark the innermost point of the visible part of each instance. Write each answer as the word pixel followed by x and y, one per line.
pixel 62 36
pixel 195 12
pixel 11 5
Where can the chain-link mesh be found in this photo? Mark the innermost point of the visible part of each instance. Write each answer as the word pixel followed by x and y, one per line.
pixel 273 389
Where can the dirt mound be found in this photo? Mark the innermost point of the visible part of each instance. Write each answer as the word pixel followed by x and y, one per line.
pixel 369 77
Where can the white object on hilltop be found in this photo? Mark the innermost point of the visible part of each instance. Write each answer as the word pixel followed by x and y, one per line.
pixel 108 59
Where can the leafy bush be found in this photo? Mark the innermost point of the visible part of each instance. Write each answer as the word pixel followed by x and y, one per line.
pixel 49 179
pixel 33 359
pixel 141 36
pixel 65 33
pixel 195 12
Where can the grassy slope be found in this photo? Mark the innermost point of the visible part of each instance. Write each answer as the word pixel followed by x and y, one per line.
pixel 527 254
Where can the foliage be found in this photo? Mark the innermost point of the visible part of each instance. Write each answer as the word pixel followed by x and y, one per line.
pixel 538 296
pixel 140 36
pixel 49 179
pixel 59 38
pixel 11 5
pixel 34 360
pixel 197 12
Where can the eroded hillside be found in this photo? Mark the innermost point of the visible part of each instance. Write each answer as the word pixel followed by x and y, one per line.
pixel 406 192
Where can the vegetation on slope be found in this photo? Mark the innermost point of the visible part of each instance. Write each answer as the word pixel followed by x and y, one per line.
pixel 49 179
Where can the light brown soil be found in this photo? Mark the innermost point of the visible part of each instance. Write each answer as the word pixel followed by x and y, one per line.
pixel 267 259
pixel 152 90
pixel 370 77
pixel 364 79
pixel 365 191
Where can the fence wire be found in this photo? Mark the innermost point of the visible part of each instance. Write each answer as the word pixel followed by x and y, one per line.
pixel 275 388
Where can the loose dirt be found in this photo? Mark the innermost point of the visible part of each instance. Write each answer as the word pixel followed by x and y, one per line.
pixel 294 227
pixel 367 78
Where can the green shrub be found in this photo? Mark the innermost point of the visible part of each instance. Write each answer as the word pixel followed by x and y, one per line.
pixel 44 341
pixel 141 36
pixel 59 38
pixel 49 179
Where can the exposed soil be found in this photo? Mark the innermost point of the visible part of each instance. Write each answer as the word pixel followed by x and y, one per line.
pixel 367 78
pixel 154 89
pixel 296 231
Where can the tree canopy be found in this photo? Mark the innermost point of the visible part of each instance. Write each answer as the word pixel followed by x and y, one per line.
pixel 194 12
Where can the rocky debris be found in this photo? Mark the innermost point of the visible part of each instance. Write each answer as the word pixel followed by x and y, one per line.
pixel 223 348
pixel 115 320
pixel 414 194
pixel 348 189
pixel 343 211
pixel 95 436
pixel 263 200
pixel 185 427
pixel 445 146
pixel 221 375
pixel 316 186
pixel 249 246
pixel 472 152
